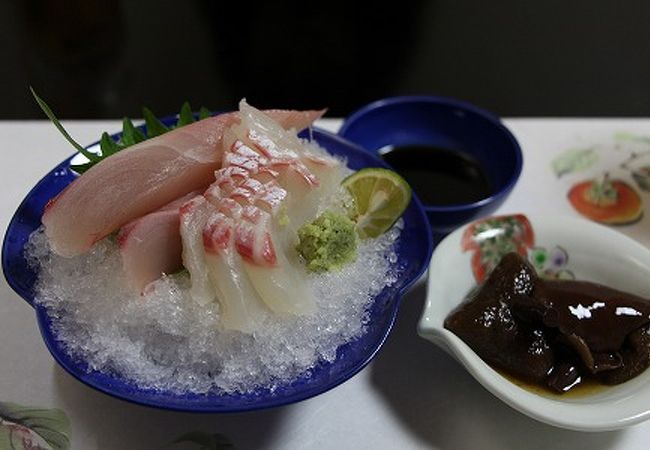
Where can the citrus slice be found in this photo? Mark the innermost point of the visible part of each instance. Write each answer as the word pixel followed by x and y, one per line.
pixel 380 197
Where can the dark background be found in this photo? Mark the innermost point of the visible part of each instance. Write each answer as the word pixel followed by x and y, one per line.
pixel 106 59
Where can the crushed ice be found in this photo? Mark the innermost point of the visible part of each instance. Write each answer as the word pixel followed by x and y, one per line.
pixel 164 340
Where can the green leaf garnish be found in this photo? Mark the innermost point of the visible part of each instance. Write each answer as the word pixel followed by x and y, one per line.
pixel 204 113
pixel 186 116
pixel 131 135
pixel 108 146
pixel 82 168
pixel 154 126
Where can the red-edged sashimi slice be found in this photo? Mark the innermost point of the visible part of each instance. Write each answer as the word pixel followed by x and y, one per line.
pixel 240 306
pixel 141 179
pixel 151 245
pixel 278 281
pixel 253 239
pixel 194 216
pixel 309 175
pixel 282 286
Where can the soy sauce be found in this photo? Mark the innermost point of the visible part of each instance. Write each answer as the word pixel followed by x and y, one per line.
pixel 440 176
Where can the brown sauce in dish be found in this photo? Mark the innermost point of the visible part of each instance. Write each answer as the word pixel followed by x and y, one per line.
pixel 587 387
pixel 554 334
pixel 440 176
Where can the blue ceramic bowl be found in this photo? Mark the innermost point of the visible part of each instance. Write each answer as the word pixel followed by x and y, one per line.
pixel 414 250
pixel 444 123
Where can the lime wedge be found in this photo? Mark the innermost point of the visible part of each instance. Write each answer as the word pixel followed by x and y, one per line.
pixel 380 197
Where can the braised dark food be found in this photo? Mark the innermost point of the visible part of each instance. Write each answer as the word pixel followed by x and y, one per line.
pixel 556 333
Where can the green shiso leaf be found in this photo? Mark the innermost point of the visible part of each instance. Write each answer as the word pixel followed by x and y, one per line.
pixel 108 146
pixel 130 134
pixel 82 168
pixel 204 113
pixel 185 117
pixel 154 126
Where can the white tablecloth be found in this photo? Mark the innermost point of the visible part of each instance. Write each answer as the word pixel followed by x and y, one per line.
pixel 411 396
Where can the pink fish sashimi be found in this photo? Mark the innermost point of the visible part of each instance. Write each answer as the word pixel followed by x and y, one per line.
pixel 151 245
pixel 141 179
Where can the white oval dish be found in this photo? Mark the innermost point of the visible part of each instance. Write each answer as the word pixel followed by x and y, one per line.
pixel 595 253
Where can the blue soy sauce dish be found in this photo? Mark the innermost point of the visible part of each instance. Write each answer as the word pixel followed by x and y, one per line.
pixel 460 160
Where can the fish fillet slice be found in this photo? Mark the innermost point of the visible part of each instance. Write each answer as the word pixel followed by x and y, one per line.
pixel 151 245
pixel 252 205
pixel 141 179
pixel 310 177
pixel 240 306
pixel 279 282
pixel 194 216
pixel 274 161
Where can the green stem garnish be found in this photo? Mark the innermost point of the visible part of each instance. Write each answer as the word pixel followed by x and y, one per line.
pixel 48 112
pixel 130 134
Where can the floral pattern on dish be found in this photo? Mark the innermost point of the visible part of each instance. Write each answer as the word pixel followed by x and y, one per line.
pixel 608 181
pixel 551 264
pixel 33 428
pixel 492 238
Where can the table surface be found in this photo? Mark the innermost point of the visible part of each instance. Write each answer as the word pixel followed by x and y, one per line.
pixel 412 395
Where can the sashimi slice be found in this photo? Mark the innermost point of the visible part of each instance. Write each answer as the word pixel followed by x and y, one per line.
pixel 151 245
pixel 253 239
pixel 277 281
pixel 240 306
pixel 271 197
pixel 283 287
pixel 141 179
pixel 308 174
pixel 263 130
pixel 193 218
pixel 254 268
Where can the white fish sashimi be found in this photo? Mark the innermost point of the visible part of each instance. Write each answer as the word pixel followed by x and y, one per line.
pixel 151 245
pixel 280 283
pixel 194 216
pixel 141 179
pixel 240 306
pixel 282 287
pixel 310 176
pixel 252 205
pixel 273 269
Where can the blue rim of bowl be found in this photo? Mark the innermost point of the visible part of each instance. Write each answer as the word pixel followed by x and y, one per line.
pixel 88 377
pixel 461 104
